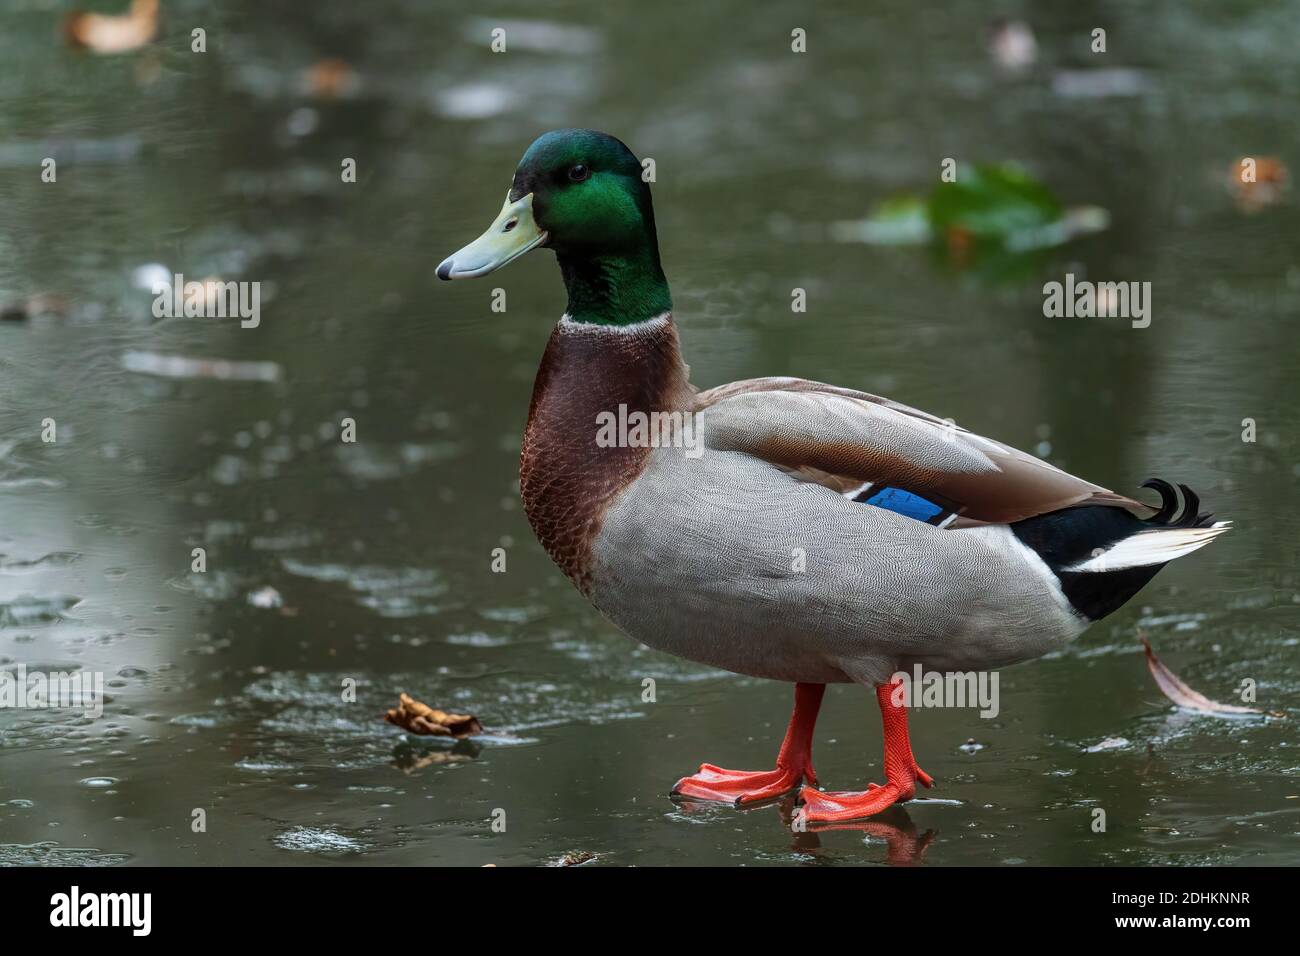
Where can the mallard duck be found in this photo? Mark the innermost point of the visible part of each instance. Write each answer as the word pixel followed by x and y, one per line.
pixel 784 528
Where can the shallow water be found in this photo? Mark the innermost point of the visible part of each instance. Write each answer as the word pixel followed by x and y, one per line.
pixel 380 551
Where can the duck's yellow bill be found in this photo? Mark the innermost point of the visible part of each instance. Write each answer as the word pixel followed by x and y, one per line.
pixel 511 234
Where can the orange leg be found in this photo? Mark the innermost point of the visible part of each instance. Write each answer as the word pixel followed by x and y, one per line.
pixel 793 763
pixel 901 773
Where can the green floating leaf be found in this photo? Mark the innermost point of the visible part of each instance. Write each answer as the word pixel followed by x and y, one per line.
pixel 991 202
pixel 998 205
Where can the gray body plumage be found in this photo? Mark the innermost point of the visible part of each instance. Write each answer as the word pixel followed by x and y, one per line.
pixel 697 558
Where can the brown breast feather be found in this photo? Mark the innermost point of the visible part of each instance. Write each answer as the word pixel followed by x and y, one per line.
pixel 566 480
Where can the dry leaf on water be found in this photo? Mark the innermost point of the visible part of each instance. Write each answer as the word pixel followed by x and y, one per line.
pixel 1185 697
pixel 101 33
pixel 329 79
pixel 419 718
pixel 1257 182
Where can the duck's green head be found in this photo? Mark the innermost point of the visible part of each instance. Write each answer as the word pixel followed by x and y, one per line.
pixel 580 193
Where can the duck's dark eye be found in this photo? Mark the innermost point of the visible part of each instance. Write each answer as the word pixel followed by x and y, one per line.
pixel 578 173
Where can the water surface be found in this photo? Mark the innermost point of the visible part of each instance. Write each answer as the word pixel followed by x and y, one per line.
pixel 380 551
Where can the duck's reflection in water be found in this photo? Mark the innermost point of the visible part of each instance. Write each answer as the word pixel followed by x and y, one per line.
pixel 903 845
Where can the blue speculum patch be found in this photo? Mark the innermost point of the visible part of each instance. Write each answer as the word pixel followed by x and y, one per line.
pixel 906 503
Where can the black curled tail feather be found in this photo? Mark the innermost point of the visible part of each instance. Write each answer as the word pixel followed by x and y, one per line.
pixel 1191 517
pixel 1070 536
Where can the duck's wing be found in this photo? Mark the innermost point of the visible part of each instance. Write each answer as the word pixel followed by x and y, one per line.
pixel 875 450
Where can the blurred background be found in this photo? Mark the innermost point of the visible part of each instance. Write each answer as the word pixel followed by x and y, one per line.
pixel 371 561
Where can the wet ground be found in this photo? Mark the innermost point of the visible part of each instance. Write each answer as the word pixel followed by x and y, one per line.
pixel 224 164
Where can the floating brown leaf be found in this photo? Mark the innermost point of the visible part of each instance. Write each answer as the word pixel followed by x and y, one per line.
pixel 1182 695
pixel 329 79
pixel 101 33
pixel 1257 182
pixel 419 718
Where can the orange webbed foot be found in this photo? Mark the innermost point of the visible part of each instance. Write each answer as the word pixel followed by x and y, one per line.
pixel 835 806
pixel 740 786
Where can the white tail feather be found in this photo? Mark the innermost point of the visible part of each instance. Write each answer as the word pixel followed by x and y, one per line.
pixel 1151 547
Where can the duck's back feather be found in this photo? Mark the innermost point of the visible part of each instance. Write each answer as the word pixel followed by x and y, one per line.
pixel 846 439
